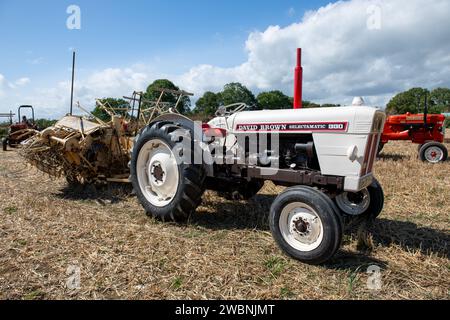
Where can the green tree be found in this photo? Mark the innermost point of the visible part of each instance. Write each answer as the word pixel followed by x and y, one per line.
pixel 4 129
pixel 207 104
pixel 113 103
pixel 308 104
pixel 274 100
pixel 44 123
pixel 153 95
pixel 412 101
pixel 440 97
pixel 236 92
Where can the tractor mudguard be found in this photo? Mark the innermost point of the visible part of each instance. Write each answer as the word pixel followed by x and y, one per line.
pixel 196 130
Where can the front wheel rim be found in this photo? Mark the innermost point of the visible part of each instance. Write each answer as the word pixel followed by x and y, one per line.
pixel 434 154
pixel 301 226
pixel 354 204
pixel 157 173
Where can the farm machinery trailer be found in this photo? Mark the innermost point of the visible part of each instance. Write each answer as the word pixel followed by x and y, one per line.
pixel 323 156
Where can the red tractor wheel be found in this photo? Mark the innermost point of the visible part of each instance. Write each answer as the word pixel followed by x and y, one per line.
pixel 433 152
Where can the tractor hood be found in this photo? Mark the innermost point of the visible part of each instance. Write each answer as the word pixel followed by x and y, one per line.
pixel 358 120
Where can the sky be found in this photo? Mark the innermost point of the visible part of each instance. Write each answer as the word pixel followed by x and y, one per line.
pixel 369 48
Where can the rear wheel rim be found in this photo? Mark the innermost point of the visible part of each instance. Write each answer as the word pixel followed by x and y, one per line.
pixel 157 173
pixel 354 203
pixel 434 154
pixel 301 226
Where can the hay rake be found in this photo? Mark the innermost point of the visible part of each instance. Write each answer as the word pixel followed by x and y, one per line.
pixel 86 149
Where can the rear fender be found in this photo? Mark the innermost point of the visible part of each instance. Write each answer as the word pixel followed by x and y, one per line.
pixel 196 130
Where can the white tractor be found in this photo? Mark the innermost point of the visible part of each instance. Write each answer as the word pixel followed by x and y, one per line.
pixel 324 156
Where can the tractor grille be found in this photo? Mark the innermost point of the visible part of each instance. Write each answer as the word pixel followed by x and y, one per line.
pixel 370 154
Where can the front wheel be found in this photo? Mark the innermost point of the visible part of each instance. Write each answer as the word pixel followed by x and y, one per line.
pixel 5 144
pixel 433 152
pixel 305 225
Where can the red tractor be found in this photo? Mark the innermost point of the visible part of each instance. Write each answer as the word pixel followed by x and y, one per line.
pixel 425 129
pixel 21 130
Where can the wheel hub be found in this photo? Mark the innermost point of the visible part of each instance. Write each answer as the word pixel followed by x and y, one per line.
pixel 158 174
pixel 354 203
pixel 434 154
pixel 355 197
pixel 303 228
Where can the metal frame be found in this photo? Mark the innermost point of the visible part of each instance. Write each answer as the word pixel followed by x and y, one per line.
pixel 9 115
pixel 296 177
pixel 26 107
pixel 153 108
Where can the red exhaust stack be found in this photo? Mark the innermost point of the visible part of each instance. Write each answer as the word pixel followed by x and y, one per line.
pixel 298 81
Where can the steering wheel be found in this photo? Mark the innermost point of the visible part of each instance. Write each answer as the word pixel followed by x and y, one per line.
pixel 225 111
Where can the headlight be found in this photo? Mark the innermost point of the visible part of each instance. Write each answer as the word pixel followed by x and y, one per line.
pixel 352 153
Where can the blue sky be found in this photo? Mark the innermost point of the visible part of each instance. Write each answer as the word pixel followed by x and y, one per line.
pixel 36 42
pixel 373 48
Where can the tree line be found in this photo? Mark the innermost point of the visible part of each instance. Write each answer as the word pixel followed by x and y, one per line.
pixel 206 106
pixel 412 100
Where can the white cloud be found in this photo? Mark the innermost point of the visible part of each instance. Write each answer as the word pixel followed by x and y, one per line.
pixel 6 86
pixel 342 57
pixel 10 93
pixel 22 81
pixel 111 82
pixel 2 85
pixel 36 61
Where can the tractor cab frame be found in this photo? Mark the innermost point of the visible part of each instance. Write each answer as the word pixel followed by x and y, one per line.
pixel 20 131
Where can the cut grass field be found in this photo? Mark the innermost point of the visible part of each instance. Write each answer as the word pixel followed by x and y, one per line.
pixel 225 252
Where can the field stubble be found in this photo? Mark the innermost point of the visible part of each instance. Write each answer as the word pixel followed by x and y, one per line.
pixel 225 251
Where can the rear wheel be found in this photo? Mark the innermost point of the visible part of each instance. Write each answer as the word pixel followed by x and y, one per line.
pixel 305 225
pixel 5 144
pixel 433 152
pixel 167 189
